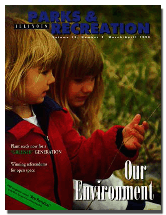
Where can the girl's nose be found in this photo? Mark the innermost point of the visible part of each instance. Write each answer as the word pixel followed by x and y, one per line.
pixel 51 78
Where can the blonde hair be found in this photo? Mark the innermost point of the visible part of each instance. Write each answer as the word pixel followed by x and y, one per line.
pixel 25 49
pixel 80 58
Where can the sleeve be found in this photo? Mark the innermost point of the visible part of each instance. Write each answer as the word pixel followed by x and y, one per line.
pixel 95 157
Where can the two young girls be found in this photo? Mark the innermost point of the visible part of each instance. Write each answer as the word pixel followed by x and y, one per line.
pixel 42 131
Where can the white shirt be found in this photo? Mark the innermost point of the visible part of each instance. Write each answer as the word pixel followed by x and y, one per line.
pixel 33 119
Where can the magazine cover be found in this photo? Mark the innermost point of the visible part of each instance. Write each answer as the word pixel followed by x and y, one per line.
pixel 83 108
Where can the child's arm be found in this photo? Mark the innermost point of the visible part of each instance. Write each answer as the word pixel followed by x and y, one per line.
pixel 91 158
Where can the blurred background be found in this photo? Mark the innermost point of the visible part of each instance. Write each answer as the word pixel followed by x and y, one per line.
pixel 132 76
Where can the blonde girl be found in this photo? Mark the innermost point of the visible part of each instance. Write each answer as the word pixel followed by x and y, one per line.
pixel 25 49
pixel 29 59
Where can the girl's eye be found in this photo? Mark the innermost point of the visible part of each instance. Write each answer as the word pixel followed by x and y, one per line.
pixel 78 80
pixel 88 78
pixel 45 72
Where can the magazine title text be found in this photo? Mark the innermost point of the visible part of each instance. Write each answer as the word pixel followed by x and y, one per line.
pixel 67 22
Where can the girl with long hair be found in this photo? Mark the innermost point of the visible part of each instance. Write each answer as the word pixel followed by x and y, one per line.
pixel 79 87
pixel 80 59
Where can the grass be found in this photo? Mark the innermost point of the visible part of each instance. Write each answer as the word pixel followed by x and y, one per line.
pixel 132 78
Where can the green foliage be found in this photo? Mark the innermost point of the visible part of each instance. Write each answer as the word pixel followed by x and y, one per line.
pixel 132 78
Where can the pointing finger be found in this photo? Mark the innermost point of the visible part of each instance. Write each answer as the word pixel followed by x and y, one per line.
pixel 136 120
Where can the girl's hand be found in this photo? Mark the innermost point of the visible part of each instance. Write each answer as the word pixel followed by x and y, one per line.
pixel 133 134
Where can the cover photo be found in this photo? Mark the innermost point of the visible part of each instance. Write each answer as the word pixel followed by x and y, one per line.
pixel 83 108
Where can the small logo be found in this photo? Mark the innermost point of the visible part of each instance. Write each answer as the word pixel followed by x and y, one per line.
pixel 31 26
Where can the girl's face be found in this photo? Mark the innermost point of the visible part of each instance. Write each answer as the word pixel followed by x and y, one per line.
pixel 37 84
pixel 79 89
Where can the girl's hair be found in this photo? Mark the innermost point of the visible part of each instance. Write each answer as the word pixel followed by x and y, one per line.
pixel 80 58
pixel 25 49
